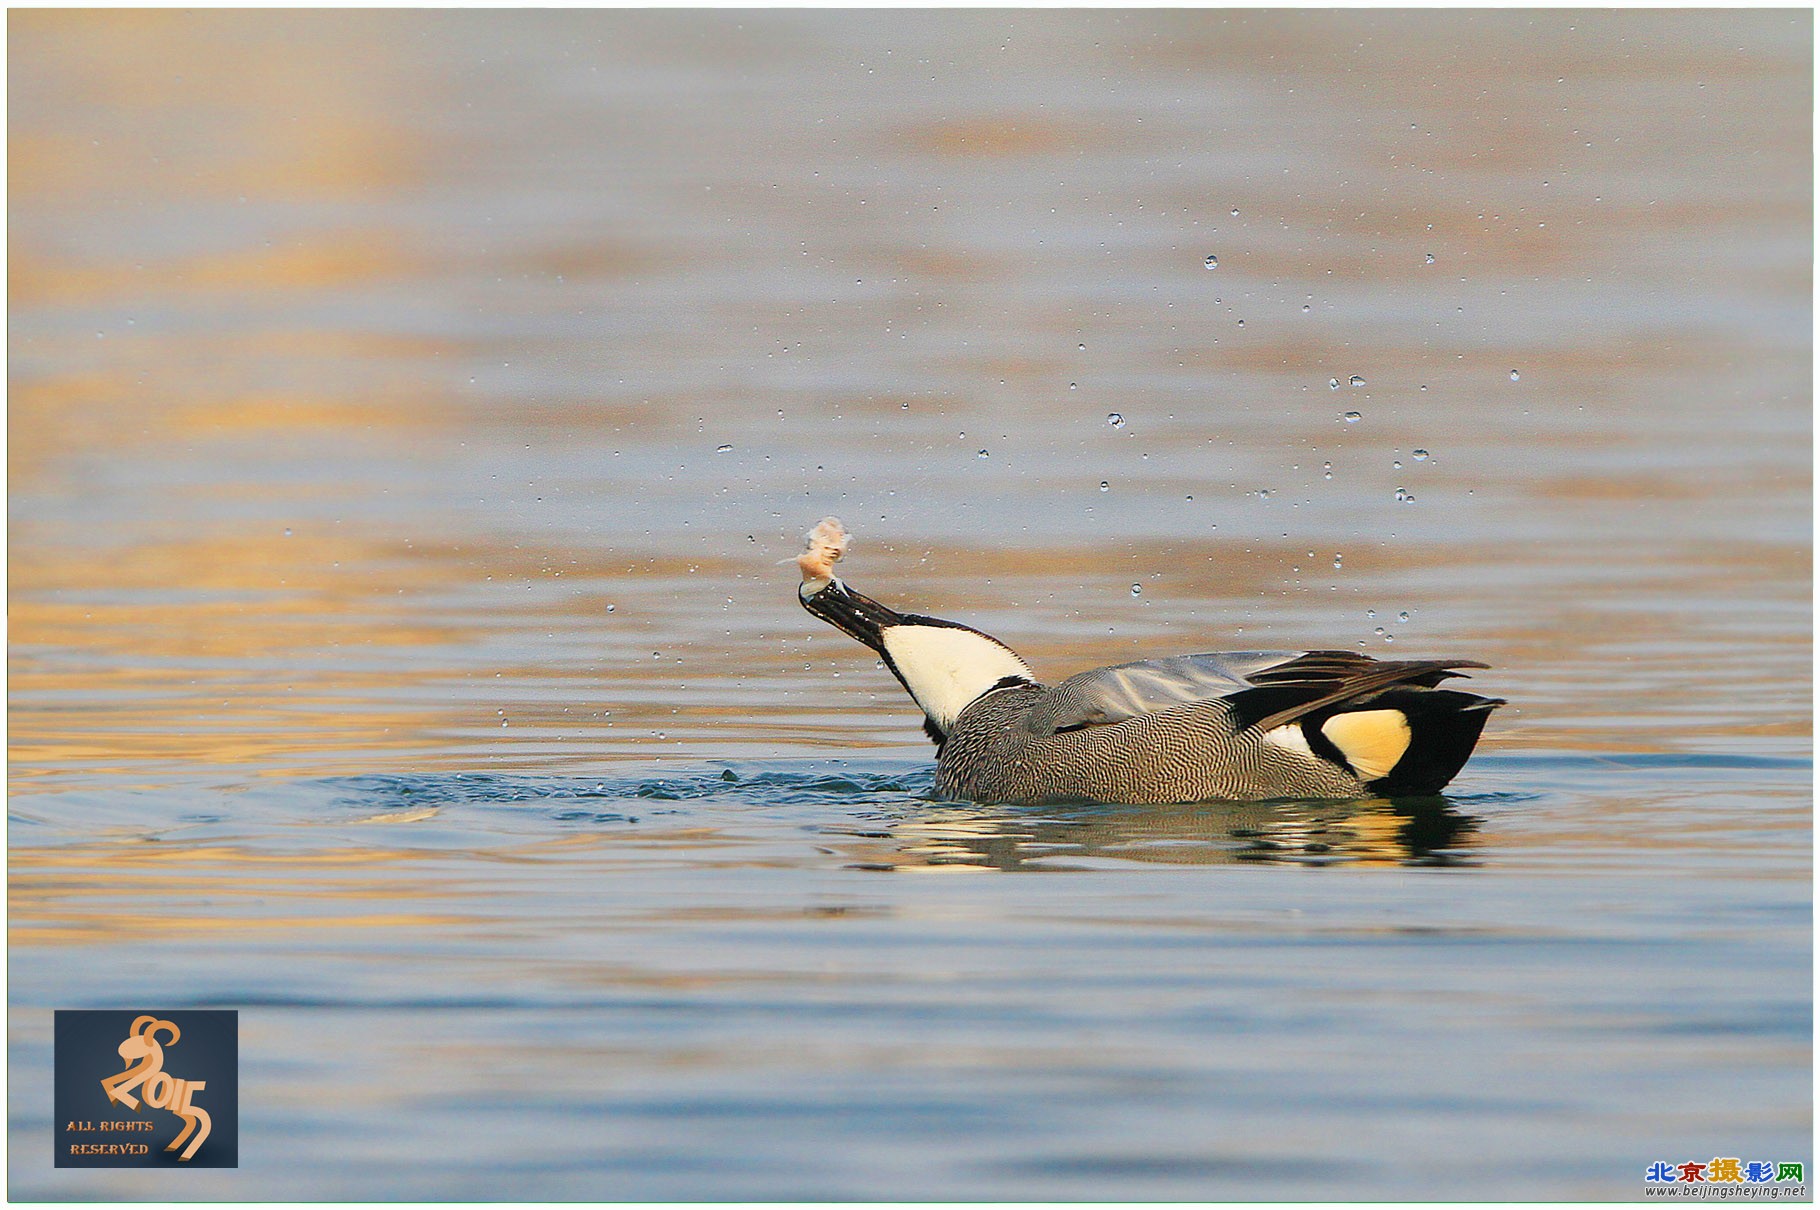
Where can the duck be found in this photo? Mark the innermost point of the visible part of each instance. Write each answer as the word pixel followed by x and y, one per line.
pixel 1216 725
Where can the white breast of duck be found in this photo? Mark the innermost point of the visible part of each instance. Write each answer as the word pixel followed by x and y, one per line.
pixel 947 667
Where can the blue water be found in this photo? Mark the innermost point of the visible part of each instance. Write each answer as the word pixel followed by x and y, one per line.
pixel 809 979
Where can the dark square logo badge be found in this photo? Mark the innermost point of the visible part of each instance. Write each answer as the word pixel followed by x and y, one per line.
pixel 147 1089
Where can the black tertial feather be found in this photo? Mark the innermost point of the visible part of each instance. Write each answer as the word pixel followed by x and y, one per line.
pixel 1319 679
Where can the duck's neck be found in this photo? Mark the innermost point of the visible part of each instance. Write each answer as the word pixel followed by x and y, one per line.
pixel 947 667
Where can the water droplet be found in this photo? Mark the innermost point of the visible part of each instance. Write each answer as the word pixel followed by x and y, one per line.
pixel 1356 381
pixel 1419 455
pixel 1395 465
pixel 1326 470
pixel 287 531
pixel 1336 563
pixel 610 608
pixel 1083 348
pixel 1513 375
pixel 1333 384
pixel 1074 386
pixel 1404 497
pixel 1263 493
pixel 1379 630
pixel 1241 323
pixel 1403 616
pixel 1115 420
pixel 1429 259
pixel 1137 590
pixel 1235 212
pixel 1306 308
pixel 1390 638
pixel 1371 613
pixel 723 449
pixel 1105 486
pixel 1212 262
pixel 984 454
pixel 1352 417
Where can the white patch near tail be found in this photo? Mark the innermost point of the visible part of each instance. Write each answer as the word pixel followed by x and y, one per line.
pixel 1290 736
pixel 1372 741
pixel 947 668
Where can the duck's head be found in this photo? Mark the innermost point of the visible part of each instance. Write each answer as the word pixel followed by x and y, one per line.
pixel 946 666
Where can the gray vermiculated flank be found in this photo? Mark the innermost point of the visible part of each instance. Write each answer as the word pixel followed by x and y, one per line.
pixel 1185 753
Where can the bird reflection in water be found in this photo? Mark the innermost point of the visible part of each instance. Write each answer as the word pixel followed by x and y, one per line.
pixel 1371 832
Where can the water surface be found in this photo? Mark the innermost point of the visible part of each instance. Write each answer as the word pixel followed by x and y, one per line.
pixel 408 415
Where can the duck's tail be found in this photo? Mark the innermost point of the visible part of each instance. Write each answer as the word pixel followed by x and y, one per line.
pixel 1441 727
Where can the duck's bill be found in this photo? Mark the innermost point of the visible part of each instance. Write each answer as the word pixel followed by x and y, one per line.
pixel 849 611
